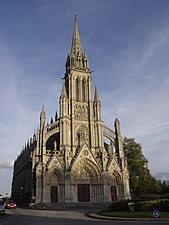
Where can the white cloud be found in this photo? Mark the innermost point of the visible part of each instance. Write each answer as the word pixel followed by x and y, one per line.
pixel 158 40
pixel 8 164
pixel 141 99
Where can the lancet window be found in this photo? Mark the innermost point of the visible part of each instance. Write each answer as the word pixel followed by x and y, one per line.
pixel 77 89
pixel 83 90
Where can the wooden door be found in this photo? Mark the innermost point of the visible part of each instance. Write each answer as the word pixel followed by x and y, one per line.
pixel 54 193
pixel 83 192
pixel 113 193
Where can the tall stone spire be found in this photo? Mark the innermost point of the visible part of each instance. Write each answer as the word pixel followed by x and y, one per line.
pixel 76 45
pixel 77 59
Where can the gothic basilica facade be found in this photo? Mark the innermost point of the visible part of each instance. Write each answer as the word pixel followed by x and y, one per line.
pixel 68 160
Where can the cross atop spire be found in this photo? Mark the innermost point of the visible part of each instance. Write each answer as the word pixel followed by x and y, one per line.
pixel 75 15
pixel 76 45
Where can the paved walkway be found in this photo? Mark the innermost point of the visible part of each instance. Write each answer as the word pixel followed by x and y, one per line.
pixel 95 215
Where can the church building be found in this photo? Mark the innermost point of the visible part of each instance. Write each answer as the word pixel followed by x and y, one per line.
pixel 69 160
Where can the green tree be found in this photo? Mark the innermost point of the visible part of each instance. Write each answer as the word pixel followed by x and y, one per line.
pixel 164 187
pixel 141 180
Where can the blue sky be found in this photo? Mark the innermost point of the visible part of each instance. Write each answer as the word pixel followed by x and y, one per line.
pixel 127 43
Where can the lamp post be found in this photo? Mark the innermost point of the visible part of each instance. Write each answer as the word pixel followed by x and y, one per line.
pixel 6 195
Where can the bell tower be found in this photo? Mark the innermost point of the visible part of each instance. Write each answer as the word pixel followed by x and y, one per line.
pixel 79 114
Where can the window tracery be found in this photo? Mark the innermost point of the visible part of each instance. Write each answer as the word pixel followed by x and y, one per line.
pixel 81 112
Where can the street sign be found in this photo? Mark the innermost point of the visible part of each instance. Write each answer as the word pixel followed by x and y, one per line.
pixel 156 214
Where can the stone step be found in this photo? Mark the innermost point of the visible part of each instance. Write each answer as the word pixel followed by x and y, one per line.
pixel 71 205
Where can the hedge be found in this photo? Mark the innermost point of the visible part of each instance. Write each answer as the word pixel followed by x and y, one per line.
pixel 119 206
pixel 160 204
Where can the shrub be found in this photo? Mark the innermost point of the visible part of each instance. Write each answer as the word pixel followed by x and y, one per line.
pixel 119 206
pixel 161 205
pixel 147 197
pixel 165 196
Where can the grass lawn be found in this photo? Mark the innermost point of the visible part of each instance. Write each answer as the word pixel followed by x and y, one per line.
pixel 134 214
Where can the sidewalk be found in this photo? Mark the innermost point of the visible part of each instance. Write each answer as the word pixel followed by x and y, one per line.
pixel 97 216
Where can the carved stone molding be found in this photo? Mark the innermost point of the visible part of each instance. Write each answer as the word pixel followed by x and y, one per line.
pixel 81 135
pixel 81 111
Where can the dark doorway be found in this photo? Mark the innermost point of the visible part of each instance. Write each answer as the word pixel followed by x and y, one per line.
pixel 54 193
pixel 83 192
pixel 113 193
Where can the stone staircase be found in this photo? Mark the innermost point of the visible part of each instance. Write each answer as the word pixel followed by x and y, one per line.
pixel 71 206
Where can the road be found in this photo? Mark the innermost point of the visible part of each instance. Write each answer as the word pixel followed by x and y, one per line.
pixel 48 217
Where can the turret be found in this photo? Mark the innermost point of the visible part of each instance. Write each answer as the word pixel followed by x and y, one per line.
pixel 51 120
pixel 42 117
pixel 97 105
pixel 56 115
pixel 63 101
pixel 41 134
pixel 119 142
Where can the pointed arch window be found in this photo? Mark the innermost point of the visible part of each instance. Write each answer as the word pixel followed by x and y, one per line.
pixel 83 90
pixel 77 89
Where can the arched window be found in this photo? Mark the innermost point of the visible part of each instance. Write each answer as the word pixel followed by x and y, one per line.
pixel 77 89
pixel 83 90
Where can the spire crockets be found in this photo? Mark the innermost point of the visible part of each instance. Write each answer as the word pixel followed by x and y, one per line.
pixel 76 59
pixel 76 46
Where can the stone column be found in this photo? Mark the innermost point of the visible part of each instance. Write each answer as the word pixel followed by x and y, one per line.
pixel 106 189
pixel 67 187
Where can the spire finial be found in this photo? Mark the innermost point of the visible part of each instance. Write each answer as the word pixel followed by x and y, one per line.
pixel 75 16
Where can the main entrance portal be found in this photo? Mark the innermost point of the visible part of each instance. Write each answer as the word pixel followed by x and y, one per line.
pixel 83 192
pixel 113 193
pixel 54 193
